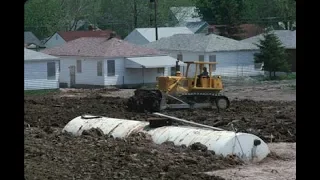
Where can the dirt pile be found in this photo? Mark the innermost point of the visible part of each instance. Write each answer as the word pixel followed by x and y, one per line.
pixel 52 155
pixel 43 111
pixel 270 120
pixel 144 101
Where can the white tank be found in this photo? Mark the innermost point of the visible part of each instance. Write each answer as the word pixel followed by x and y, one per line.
pixel 246 146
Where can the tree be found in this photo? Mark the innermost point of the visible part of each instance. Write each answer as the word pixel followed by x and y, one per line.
pixel 270 12
pixel 45 17
pixel 222 12
pixel 272 54
pixel 41 17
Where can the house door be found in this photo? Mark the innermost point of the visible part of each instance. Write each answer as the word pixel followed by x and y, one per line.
pixel 72 70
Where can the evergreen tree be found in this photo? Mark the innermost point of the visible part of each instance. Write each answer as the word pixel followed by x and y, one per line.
pixel 272 54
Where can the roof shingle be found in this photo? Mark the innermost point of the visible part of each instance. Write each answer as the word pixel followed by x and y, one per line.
pixel 72 35
pixel 30 55
pixel 287 38
pixel 199 43
pixel 100 47
pixel 30 38
pixel 149 33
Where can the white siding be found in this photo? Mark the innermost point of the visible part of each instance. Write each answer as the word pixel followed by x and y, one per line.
pixel 55 40
pixel 136 38
pixel 139 76
pixel 122 75
pixel 88 76
pixel 232 64
pixel 240 63
pixel 131 75
pixel 35 76
pixel 117 79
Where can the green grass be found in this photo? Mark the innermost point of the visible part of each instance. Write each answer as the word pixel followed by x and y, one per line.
pixel 40 92
pixel 292 86
pixel 289 76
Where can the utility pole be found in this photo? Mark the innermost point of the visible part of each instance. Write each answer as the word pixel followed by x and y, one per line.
pixel 155 16
pixel 135 14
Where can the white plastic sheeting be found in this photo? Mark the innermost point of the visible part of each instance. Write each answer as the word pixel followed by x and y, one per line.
pixel 221 142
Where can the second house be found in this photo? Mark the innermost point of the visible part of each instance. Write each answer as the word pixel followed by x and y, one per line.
pixel 93 61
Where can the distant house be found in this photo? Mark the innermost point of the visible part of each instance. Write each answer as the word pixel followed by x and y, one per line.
pixel 81 25
pixel 189 17
pixel 142 36
pixel 32 42
pixel 246 30
pixel 41 71
pixel 288 40
pixel 60 38
pixel 96 61
pixel 234 58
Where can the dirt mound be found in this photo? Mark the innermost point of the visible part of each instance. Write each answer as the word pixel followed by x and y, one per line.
pixel 144 101
pixel 50 111
pixel 270 120
pixel 94 156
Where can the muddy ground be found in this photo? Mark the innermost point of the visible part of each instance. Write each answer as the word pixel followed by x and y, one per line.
pixel 273 121
pixel 52 155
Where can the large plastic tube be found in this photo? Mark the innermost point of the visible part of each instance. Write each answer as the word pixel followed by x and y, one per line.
pixel 246 146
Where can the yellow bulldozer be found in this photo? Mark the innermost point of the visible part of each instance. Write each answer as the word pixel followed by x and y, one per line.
pixel 182 92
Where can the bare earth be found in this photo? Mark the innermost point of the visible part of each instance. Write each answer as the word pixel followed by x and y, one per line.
pixel 283 168
pixel 269 169
pixel 281 91
pixel 281 165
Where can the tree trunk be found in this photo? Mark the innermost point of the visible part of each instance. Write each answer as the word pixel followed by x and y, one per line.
pixel 270 75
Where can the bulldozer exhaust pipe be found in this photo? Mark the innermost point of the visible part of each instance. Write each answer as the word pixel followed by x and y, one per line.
pixel 177 66
pixel 178 73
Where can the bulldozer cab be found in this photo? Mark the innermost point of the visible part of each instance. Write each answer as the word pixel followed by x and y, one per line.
pixel 202 81
pixel 192 83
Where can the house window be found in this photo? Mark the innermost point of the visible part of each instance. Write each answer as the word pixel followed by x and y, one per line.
pixel 51 70
pixel 99 68
pixel 201 58
pixel 173 71
pixel 79 66
pixel 180 57
pixel 111 68
pixel 212 58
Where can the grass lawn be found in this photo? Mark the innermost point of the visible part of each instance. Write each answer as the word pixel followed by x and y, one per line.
pixel 40 92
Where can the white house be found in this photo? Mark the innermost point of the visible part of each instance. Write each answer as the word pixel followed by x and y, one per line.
pixel 41 71
pixel 288 40
pixel 234 58
pixel 62 37
pixel 107 62
pixel 142 36
pixel 32 42
pixel 188 17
